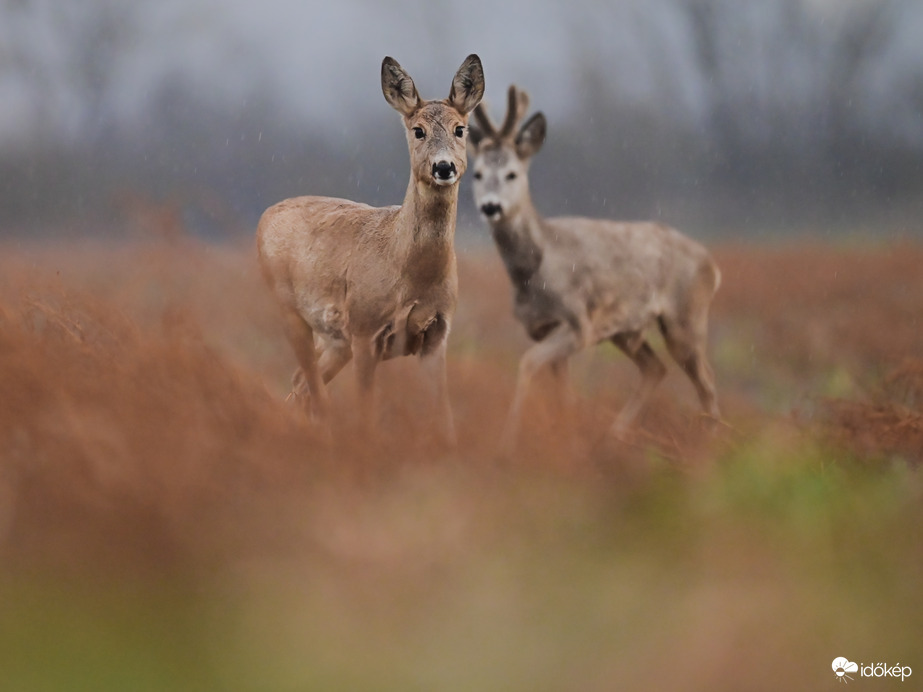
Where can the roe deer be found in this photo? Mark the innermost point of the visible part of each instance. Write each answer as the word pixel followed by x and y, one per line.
pixel 580 281
pixel 355 281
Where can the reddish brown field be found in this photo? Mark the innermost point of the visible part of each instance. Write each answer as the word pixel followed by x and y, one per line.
pixel 144 441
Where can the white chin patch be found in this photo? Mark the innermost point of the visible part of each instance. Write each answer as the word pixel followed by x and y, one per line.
pixel 443 182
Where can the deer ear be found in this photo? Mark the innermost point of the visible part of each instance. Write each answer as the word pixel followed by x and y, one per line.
pixel 531 136
pixel 398 87
pixel 467 85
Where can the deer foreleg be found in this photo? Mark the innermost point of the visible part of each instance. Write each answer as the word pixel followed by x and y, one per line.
pixel 559 345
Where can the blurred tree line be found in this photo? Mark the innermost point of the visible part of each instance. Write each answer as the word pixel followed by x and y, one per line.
pixel 788 126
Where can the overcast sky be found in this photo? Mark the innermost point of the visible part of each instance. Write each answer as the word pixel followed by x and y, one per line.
pixel 324 57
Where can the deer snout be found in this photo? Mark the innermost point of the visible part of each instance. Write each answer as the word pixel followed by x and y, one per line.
pixel 491 209
pixel 444 171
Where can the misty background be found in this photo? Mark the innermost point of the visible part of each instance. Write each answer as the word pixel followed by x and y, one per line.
pixel 724 117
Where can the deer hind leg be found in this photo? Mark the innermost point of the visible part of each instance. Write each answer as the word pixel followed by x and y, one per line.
pixel 686 341
pixel 307 378
pixel 334 356
pixel 652 370
pixel 559 345
pixel 331 359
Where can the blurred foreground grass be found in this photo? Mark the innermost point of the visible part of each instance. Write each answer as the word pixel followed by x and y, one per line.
pixel 167 523
pixel 752 574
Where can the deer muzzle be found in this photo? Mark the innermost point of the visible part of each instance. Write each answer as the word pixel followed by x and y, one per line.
pixel 491 209
pixel 444 172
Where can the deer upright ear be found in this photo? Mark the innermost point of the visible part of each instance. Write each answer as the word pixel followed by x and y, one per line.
pixel 467 85
pixel 531 136
pixel 398 87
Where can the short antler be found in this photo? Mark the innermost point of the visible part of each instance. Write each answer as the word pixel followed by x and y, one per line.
pixel 516 107
pixel 480 114
pixel 517 104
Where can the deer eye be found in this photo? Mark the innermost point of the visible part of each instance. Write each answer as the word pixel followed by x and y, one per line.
pixel 419 133
pixel 459 131
pixel 511 175
pixel 478 175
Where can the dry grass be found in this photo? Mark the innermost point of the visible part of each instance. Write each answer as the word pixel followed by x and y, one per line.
pixel 167 522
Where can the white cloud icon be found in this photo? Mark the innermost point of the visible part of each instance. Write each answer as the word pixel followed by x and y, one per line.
pixel 841 666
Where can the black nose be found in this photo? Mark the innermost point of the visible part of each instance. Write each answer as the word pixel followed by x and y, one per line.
pixel 443 170
pixel 490 209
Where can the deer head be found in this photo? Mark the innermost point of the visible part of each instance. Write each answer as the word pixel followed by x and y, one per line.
pixel 502 156
pixel 436 130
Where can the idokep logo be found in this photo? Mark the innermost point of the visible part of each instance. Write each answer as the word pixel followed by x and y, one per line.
pixel 843 666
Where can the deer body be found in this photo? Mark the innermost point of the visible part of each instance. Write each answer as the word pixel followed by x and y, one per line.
pixel 598 277
pixel 350 282
pixel 355 281
pixel 579 281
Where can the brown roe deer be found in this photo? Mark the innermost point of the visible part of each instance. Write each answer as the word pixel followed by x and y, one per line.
pixel 369 284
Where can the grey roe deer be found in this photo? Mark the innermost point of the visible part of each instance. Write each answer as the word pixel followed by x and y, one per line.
pixel 366 283
pixel 579 281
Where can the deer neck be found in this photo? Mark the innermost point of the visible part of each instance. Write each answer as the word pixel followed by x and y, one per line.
pixel 519 239
pixel 428 214
pixel 426 233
